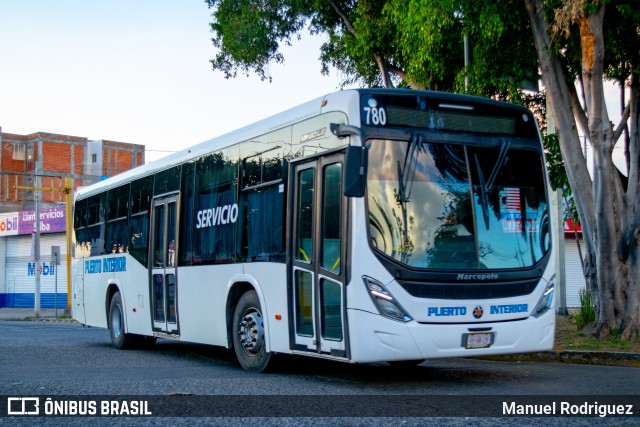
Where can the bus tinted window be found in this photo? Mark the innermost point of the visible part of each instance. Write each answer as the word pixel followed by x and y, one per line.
pixel 117 219
pixel 264 167
pixel 263 230
pixel 216 209
pixel 81 235
pixel 141 191
pixel 96 206
pixel 167 181
pixel 138 242
pixel 187 257
pixel 332 197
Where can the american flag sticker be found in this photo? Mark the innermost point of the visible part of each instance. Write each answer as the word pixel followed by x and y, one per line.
pixel 511 204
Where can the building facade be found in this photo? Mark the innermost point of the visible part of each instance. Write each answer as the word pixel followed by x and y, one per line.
pixel 34 167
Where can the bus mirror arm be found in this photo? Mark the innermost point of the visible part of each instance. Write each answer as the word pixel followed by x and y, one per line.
pixel 341 130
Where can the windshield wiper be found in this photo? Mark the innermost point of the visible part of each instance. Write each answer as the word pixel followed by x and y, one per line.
pixel 406 174
pixel 407 171
pixel 486 187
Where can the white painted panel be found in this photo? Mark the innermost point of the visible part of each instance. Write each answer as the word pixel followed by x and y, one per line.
pixel 575 276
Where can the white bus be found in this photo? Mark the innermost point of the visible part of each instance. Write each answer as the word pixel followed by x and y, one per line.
pixel 364 226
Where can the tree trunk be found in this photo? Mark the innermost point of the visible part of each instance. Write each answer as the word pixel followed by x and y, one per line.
pixel 629 247
pixel 610 216
pixel 384 70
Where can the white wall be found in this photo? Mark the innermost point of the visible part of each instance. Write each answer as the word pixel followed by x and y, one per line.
pixel 3 252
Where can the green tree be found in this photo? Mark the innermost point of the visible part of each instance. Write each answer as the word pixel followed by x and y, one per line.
pixel 419 44
pixel 411 43
pixel 248 34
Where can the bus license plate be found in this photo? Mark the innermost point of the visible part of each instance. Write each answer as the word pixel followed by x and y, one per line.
pixel 478 340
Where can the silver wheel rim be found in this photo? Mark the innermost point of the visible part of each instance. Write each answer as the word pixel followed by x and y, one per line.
pixel 251 332
pixel 116 322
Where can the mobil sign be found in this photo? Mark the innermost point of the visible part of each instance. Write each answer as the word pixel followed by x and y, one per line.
pixel 9 224
pixel 52 220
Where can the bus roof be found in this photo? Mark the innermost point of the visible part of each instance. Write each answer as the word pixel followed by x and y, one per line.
pixel 333 101
pixel 300 112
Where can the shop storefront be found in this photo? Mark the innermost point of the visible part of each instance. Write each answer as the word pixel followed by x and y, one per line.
pixel 17 264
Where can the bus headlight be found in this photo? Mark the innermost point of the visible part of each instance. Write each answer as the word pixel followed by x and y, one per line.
pixel 546 300
pixel 384 301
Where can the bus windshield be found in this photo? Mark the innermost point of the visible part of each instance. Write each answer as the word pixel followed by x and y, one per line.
pixel 450 206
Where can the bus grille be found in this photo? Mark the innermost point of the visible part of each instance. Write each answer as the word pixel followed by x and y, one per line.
pixel 469 290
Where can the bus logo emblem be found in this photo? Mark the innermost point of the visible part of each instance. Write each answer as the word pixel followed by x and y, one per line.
pixel 478 312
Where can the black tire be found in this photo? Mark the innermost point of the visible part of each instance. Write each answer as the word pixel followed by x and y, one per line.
pixel 248 334
pixel 119 338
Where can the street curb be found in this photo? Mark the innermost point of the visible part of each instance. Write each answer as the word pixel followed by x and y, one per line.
pixel 48 320
pixel 602 358
pixel 33 319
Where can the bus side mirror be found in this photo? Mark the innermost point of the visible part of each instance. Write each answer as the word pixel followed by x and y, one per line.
pixel 356 172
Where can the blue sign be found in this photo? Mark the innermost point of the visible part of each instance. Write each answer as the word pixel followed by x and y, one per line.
pixel 45 270
pixel 446 311
pixel 509 308
pixel 105 265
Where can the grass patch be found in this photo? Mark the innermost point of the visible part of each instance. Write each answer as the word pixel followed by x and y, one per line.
pixel 587 312
pixel 569 337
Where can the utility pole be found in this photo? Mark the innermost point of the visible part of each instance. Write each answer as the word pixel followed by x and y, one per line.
pixel 36 246
pixel 67 190
pixel 38 197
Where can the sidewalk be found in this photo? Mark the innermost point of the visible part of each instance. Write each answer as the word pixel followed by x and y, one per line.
pixel 46 314
pixel 605 358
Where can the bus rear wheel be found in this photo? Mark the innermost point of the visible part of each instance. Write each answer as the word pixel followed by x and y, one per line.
pixel 119 338
pixel 248 334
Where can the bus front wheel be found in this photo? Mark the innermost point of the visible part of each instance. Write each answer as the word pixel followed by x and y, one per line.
pixel 248 334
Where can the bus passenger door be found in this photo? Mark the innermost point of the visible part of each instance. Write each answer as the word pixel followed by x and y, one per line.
pixel 318 252
pixel 164 307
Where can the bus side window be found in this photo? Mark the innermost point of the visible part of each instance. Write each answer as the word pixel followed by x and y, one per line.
pixel 96 206
pixel 331 214
pixel 140 206
pixel 304 245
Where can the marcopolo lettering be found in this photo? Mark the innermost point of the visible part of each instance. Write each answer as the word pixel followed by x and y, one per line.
pixel 446 311
pixel 480 277
pixel 215 216
pixel 509 308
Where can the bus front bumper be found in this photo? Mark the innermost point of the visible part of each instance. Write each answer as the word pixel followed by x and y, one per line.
pixel 377 338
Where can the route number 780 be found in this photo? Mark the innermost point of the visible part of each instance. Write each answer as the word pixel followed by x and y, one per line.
pixel 375 116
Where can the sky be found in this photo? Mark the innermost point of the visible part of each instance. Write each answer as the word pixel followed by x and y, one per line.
pixel 136 71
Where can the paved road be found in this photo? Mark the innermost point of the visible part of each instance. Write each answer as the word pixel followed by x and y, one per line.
pixel 53 359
